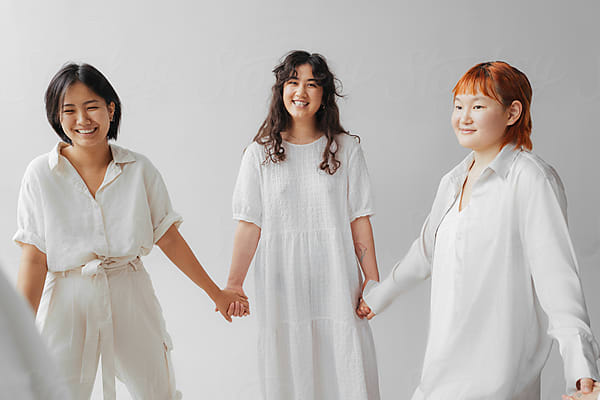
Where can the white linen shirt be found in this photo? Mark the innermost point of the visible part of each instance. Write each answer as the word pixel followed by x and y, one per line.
pixel 514 260
pixel 57 213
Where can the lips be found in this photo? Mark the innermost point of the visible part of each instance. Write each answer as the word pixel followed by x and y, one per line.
pixel 467 131
pixel 86 131
pixel 300 103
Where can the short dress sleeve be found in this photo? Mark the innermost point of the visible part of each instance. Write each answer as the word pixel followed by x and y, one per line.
pixel 360 199
pixel 30 213
pixel 161 210
pixel 247 195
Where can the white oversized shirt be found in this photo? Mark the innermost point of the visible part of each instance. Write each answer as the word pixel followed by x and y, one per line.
pixel 503 273
pixel 57 213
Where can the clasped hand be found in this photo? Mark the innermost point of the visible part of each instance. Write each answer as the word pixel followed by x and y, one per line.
pixel 232 302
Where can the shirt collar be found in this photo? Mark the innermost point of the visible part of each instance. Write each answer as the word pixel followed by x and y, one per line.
pixel 504 159
pixel 119 154
pixel 500 164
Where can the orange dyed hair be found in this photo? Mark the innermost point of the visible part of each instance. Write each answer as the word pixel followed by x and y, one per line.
pixel 505 84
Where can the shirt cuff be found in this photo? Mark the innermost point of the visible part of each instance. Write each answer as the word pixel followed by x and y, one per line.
pixel 579 353
pixel 24 237
pixel 379 295
pixel 170 219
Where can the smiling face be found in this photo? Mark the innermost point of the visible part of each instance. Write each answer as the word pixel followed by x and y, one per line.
pixel 302 95
pixel 480 122
pixel 84 116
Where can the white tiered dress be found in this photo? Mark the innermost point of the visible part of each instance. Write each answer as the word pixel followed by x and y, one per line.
pixel 311 343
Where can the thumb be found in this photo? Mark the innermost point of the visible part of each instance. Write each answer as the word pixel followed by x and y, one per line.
pixel 227 317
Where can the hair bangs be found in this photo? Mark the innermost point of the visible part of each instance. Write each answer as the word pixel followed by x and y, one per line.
pixel 477 80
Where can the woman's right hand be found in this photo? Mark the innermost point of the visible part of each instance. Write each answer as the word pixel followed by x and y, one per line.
pixel 363 310
pixel 232 302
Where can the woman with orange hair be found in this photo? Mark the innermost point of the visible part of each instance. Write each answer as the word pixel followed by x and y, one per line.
pixel 498 251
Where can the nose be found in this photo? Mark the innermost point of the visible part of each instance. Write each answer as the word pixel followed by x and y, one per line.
pixel 465 116
pixel 301 90
pixel 82 117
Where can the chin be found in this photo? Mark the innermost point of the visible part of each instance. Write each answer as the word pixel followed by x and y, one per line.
pixel 467 142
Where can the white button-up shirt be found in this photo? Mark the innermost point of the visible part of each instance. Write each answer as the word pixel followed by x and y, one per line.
pixel 503 273
pixel 57 213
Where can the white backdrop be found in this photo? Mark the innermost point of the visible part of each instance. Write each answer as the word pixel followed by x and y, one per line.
pixel 195 77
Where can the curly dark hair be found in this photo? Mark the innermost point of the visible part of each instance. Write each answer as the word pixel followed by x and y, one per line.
pixel 327 117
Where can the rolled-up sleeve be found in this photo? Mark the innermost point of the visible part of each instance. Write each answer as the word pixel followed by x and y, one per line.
pixel 161 210
pixel 554 271
pixel 30 213
pixel 247 194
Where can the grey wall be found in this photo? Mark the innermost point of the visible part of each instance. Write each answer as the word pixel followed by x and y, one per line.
pixel 195 78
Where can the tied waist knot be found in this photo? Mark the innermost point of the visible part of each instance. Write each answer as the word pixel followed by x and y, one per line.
pixel 99 322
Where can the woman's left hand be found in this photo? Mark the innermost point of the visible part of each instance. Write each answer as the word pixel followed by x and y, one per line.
pixel 589 390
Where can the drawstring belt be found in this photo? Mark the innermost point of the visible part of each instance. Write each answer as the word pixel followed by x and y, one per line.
pixel 99 321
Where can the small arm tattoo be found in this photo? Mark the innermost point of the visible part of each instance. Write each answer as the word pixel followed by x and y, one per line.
pixel 361 251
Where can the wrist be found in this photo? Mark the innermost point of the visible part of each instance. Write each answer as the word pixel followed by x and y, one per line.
pixel 231 284
pixel 213 292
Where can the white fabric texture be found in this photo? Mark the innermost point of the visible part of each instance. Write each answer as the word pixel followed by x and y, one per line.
pixel 90 305
pixel 503 273
pixel 312 346
pixel 57 213
pixel 27 371
pixel 113 312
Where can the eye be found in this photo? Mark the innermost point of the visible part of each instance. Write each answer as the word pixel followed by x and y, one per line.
pixel 93 108
pixel 312 85
pixel 291 82
pixel 68 111
pixel 478 107
pixel 458 107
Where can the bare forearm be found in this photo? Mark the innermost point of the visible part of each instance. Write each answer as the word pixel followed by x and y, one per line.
pixel 32 275
pixel 364 246
pixel 177 250
pixel 245 242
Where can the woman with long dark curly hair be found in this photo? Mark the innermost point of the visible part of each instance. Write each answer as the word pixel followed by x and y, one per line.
pixel 303 190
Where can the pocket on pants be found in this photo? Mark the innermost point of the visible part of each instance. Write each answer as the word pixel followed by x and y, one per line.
pixel 167 348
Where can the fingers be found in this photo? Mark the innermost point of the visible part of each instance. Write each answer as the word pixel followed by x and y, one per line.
pixel 586 385
pixel 370 315
pixel 231 309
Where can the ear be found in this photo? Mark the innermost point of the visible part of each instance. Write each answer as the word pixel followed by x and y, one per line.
pixel 111 110
pixel 514 112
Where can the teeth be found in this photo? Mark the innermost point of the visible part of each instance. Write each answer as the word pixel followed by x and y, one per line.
pixel 86 131
pixel 300 103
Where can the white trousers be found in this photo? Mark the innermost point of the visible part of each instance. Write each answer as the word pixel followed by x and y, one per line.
pixel 108 308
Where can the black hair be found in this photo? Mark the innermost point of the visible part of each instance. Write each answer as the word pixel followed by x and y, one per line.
pixel 327 117
pixel 94 80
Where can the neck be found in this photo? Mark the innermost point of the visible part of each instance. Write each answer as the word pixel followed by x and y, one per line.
pixel 484 157
pixel 303 130
pixel 89 157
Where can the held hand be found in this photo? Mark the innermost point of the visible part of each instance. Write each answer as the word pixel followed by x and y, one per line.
pixel 227 299
pixel 238 308
pixel 363 310
pixel 589 390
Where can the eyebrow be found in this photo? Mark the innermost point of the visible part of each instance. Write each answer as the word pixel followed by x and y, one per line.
pixel 85 102
pixel 308 80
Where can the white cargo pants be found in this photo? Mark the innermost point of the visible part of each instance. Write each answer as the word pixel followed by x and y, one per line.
pixel 108 307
